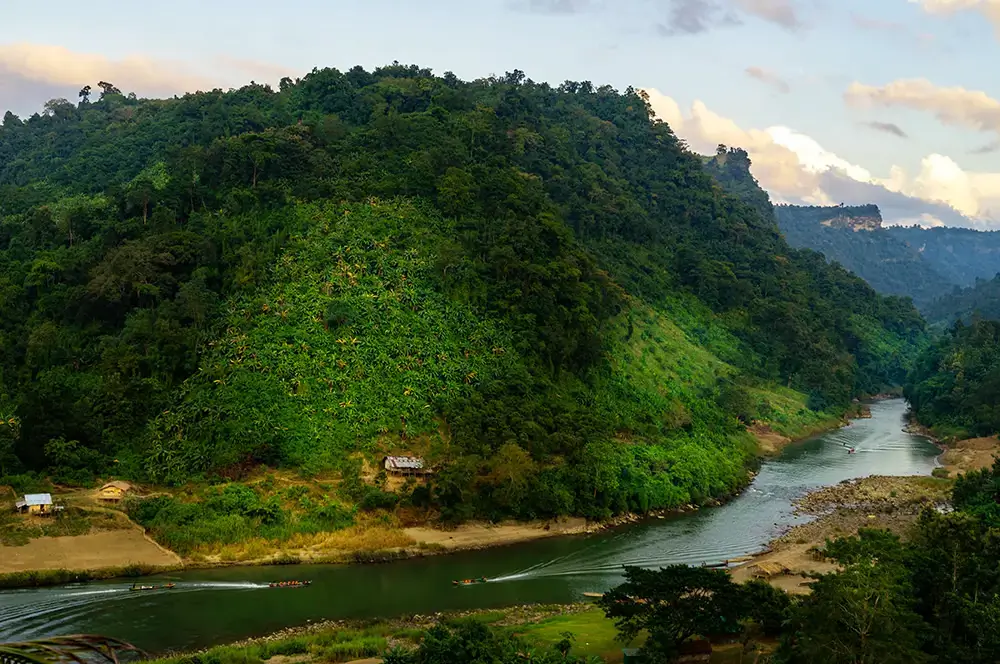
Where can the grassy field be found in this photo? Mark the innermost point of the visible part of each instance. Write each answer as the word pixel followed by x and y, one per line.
pixel 593 634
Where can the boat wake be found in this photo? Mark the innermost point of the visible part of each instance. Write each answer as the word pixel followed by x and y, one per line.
pixel 38 612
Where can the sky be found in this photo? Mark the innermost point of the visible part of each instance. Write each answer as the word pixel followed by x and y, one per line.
pixel 893 102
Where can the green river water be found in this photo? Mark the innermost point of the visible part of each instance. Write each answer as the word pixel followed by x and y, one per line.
pixel 217 606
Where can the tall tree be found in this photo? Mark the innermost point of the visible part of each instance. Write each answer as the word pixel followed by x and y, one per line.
pixel 672 605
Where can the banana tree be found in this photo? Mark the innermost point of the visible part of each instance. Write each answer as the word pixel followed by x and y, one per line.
pixel 72 649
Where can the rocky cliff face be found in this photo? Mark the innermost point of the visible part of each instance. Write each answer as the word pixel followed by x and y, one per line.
pixel 855 222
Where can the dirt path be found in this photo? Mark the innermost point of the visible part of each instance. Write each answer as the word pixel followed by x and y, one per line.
pixel 114 548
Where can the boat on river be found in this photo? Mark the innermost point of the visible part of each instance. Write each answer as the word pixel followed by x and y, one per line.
pixel 165 586
pixel 470 582
pixel 289 584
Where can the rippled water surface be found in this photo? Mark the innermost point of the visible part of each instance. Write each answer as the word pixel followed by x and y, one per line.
pixel 215 606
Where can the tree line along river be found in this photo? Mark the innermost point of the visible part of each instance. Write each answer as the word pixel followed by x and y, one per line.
pixel 209 607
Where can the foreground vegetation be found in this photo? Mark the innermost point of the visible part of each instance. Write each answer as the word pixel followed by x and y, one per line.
pixel 536 288
pixel 548 632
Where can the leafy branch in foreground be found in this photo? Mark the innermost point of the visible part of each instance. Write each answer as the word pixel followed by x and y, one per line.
pixel 75 648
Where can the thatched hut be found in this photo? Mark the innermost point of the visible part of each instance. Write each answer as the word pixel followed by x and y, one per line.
pixel 766 570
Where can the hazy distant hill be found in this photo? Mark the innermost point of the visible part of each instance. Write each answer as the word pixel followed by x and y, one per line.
pixel 983 300
pixel 924 264
pixel 855 238
pixel 961 255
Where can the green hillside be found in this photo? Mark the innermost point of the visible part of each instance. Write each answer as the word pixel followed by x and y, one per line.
pixel 954 388
pixel 537 288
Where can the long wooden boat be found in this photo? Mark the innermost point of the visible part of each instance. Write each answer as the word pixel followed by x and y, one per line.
pixel 289 584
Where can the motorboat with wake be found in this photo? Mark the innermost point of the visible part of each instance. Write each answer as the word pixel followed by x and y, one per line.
pixel 470 582
pixel 166 586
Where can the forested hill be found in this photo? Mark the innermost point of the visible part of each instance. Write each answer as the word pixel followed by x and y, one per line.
pixel 537 288
pixel 855 238
pixel 961 255
pixel 925 264
pixel 955 386
pixel 981 300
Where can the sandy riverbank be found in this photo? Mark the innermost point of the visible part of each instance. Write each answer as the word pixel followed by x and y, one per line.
pixel 891 503
pixel 970 454
pixel 112 548
pixel 770 442
pixel 120 548
pixel 478 536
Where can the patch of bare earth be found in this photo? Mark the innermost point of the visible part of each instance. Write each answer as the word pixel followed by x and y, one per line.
pixel 769 441
pixel 970 454
pixel 115 548
pixel 474 536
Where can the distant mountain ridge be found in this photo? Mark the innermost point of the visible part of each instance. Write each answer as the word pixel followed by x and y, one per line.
pixel 924 264
pixel 961 255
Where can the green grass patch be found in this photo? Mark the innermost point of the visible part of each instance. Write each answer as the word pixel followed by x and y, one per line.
pixel 593 633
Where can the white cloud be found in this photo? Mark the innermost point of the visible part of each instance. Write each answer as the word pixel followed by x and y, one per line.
pixel 795 168
pixel 813 157
pixel 956 105
pixel 941 179
pixel 29 71
pixel 990 8
pixel 60 66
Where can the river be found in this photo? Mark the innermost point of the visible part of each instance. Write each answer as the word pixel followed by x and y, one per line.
pixel 215 606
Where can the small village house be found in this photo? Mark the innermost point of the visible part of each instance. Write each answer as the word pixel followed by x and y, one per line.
pixel 35 503
pixel 405 465
pixel 113 492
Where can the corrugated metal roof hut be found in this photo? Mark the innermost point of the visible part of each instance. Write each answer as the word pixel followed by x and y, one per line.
pixel 405 465
pixel 35 503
